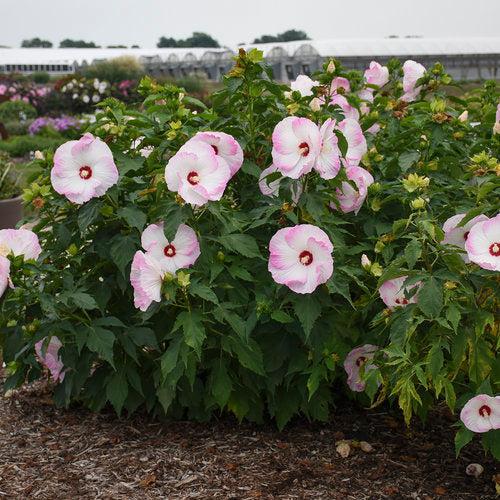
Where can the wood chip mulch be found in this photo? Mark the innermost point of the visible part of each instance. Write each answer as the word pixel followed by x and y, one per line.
pixel 47 453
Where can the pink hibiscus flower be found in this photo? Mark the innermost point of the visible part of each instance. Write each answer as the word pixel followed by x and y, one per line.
pixel 48 356
pixel 328 161
pixel 358 359
pixel 83 169
pixel 393 293
pixel 376 74
pixel 4 274
pixel 301 257
pixel 356 142
pixel 19 242
pixel 483 244
pixel 224 145
pixel 412 72
pixel 296 145
pixel 180 253
pixel 304 85
pixel 197 173
pixel 454 235
pixel 146 277
pixel 351 199
pixel 481 413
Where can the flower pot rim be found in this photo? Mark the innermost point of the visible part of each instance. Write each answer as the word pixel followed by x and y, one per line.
pixel 9 200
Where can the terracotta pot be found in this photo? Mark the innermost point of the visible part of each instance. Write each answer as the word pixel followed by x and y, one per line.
pixel 11 212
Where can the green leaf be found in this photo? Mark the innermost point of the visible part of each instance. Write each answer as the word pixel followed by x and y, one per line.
pixel 193 329
pixel 168 360
pixel 308 310
pixel 413 251
pixel 281 317
pixel 83 300
pixel 317 375
pixel 407 159
pixel 142 336
pixel 462 437
pixel 221 383
pixel 101 341
pixel 88 213
pixel 203 291
pixel 248 353
pixel 435 360
pixel 166 395
pixel 491 441
pixel 117 391
pixel 133 216
pixel 430 298
pixel 243 244
pixel 453 316
pixel 122 251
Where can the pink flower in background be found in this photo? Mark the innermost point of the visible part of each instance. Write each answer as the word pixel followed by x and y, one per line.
pixel 454 235
pixel 351 199
pixel 19 242
pixel 48 356
pixel 483 244
pixel 376 74
pixel 272 188
pixel 374 129
pixel 496 127
pixel 83 169
pixel 412 72
pixel 367 96
pixel 356 141
pixel 340 85
pixel 304 85
pixel 481 413
pixel 328 161
pixel 358 359
pixel 197 173
pixel 146 277
pixel 296 145
pixel 349 111
pixel 394 294
pixel 4 274
pixel 301 257
pixel 224 145
pixel 180 253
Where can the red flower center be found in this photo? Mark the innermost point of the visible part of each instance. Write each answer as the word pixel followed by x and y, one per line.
pixel 402 302
pixel 466 235
pixel 495 249
pixel 485 411
pixel 169 251
pixel 306 257
pixel 304 148
pixel 193 178
pixel 215 148
pixel 85 172
pixel 360 361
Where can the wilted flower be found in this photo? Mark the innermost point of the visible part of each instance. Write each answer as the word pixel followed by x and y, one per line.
pixel 412 72
pixel 48 356
pixel 296 145
pixel 481 413
pixel 181 252
pixel 454 235
pixel 224 145
pixel 304 85
pixel 197 173
pixel 349 198
pixel 301 257
pixel 358 359
pixel 483 243
pixel 393 292
pixel 83 169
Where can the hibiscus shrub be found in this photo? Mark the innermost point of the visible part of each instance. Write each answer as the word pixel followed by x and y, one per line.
pixel 270 255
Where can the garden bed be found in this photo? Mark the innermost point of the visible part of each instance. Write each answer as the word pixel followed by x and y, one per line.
pixel 50 453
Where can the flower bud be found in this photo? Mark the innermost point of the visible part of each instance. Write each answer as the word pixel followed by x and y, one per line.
pixel 183 279
pixel 450 285
pixel 72 249
pixel 287 94
pixel 464 116
pixel 331 67
pixel 376 269
pixel 220 256
pixel 379 246
pixel 418 203
pixel 39 155
pixel 315 104
pixel 365 262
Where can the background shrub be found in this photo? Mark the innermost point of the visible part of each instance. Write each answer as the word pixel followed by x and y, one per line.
pixel 16 110
pixel 115 70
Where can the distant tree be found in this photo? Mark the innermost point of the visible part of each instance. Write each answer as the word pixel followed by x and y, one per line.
pixel 197 39
pixel 77 44
pixel 286 36
pixel 135 47
pixel 116 46
pixel 36 42
pixel 166 42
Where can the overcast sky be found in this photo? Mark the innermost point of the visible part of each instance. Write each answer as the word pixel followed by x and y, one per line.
pixel 142 22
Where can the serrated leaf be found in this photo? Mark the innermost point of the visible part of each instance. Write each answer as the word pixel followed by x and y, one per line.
pixel 133 216
pixel 221 383
pixel 413 251
pixel 281 317
pixel 430 298
pixel 122 251
pixel 88 213
pixel 243 244
pixel 192 327
pixel 203 292
pixel 117 391
pixel 101 341
pixel 308 310
pixel 462 437
pixel 407 159
pixel 142 336
pixel 83 300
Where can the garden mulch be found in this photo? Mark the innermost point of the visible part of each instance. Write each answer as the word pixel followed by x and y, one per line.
pixel 47 453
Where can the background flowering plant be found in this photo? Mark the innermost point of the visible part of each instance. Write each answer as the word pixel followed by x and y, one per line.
pixel 289 256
